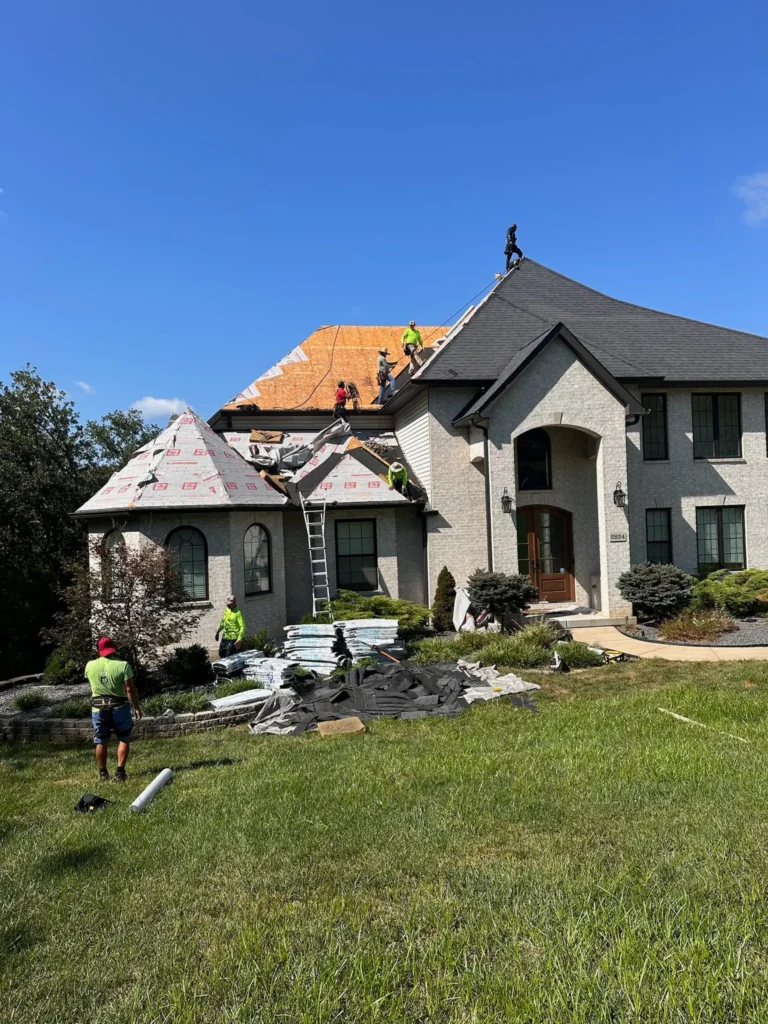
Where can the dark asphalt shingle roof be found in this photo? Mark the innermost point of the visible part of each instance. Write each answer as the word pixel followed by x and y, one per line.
pixel 632 342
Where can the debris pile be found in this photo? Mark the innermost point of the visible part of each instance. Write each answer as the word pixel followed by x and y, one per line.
pixel 384 691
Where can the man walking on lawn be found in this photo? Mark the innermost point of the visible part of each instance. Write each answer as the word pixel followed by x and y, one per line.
pixel 112 694
pixel 231 628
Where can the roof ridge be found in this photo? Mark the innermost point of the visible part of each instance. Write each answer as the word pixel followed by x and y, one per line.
pixel 636 305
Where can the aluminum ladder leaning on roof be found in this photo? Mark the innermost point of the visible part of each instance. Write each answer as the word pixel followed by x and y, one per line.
pixel 318 565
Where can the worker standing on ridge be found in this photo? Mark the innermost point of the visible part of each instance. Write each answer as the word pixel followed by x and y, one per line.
pixel 398 479
pixel 340 409
pixel 384 375
pixel 231 628
pixel 413 347
pixel 512 248
pixel 112 694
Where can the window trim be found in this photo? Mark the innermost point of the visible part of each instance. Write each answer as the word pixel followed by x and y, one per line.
pixel 258 593
pixel 718 509
pixel 715 395
pixel 518 461
pixel 668 510
pixel 349 586
pixel 663 396
pixel 177 529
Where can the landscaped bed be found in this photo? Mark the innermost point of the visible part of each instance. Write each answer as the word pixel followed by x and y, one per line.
pixel 746 634
pixel 598 862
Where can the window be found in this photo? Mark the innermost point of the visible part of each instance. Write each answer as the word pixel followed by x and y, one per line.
pixel 658 536
pixel 189 559
pixel 112 549
pixel 654 427
pixel 356 564
pixel 534 461
pixel 720 538
pixel 258 569
pixel 716 426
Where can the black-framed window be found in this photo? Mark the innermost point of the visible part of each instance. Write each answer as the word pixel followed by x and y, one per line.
pixel 112 552
pixel 189 559
pixel 716 426
pixel 720 538
pixel 658 536
pixel 534 461
pixel 258 562
pixel 356 557
pixel 655 446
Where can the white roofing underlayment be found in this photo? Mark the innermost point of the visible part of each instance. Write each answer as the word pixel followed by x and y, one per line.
pixel 187 465
pixel 350 482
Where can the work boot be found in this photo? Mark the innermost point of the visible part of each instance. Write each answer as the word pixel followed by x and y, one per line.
pixel 103 775
pixel 120 775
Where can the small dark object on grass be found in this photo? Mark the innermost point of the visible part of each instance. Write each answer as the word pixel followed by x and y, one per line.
pixel 523 701
pixel 90 802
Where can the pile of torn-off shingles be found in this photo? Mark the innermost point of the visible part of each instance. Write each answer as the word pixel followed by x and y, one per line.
pixel 382 691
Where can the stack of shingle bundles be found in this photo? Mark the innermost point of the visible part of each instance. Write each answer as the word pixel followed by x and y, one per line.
pixel 272 673
pixel 311 646
pixel 363 634
pixel 237 663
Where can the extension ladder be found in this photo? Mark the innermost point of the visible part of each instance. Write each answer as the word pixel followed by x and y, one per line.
pixel 314 520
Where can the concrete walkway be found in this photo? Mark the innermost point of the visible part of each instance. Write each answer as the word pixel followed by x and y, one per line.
pixel 609 636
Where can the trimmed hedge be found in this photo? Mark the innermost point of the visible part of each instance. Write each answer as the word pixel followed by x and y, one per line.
pixel 739 593
pixel 656 590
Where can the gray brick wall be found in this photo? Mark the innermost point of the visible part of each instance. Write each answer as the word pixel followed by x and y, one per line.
pixel 409 525
pixel 682 484
pixel 297 579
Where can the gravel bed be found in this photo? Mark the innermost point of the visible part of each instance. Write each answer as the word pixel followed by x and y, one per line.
pixel 749 634
pixel 52 695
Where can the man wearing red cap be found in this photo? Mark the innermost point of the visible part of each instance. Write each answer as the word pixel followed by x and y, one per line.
pixel 112 694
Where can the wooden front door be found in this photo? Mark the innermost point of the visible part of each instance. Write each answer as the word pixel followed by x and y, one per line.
pixel 545 551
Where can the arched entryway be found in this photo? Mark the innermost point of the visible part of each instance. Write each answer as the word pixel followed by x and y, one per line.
pixel 545 550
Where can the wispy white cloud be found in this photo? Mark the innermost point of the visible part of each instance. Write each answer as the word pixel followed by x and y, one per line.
pixel 87 388
pixel 153 408
pixel 752 189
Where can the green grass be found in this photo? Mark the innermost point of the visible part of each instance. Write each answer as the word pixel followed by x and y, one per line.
pixel 599 862
pixel 30 701
pixel 531 647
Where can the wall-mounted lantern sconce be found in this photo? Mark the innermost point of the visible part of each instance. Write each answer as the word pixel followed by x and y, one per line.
pixel 506 502
pixel 619 497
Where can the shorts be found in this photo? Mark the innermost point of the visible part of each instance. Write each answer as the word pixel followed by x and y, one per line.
pixel 108 720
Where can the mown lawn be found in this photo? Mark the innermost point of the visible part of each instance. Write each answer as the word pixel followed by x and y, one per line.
pixel 597 862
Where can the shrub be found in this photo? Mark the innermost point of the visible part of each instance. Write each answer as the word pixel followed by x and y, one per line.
pixel 445 596
pixel 531 647
pixel 499 592
pixel 443 648
pixel 516 651
pixel 63 669
pixel 704 625
pixel 187 667
pixel 578 655
pixel 656 590
pixel 740 593
pixel 412 618
pixel 75 708
pixel 260 641
pixel 181 703
pixel 29 701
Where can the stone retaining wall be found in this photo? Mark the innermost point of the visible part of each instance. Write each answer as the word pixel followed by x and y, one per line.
pixel 26 729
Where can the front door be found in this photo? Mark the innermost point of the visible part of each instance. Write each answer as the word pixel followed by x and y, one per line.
pixel 544 551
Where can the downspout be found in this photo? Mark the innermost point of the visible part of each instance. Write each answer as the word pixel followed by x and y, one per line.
pixel 488 521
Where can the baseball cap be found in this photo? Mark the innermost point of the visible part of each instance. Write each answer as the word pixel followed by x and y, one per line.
pixel 106 646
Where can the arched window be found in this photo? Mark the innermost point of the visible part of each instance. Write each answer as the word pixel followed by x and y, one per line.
pixel 258 560
pixel 112 550
pixel 534 461
pixel 189 559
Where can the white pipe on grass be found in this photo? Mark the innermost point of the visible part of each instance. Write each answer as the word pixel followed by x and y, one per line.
pixel 148 795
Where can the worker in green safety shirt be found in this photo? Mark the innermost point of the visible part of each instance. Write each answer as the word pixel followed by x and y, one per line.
pixel 112 694
pixel 413 347
pixel 231 628
pixel 398 479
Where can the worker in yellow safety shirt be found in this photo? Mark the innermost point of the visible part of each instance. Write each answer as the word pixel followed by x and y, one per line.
pixel 398 479
pixel 413 346
pixel 231 628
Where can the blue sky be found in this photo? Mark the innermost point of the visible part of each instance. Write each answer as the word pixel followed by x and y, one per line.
pixel 189 189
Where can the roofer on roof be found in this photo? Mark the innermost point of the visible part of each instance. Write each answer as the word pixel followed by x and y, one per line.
pixel 512 248
pixel 384 374
pixel 413 346
pixel 340 410
pixel 231 627
pixel 398 479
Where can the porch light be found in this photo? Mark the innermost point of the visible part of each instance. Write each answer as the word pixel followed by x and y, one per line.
pixel 619 497
pixel 506 502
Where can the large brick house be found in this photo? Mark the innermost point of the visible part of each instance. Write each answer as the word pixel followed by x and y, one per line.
pixel 554 430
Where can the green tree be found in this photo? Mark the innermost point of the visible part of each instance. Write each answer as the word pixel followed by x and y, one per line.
pixel 445 597
pixel 113 439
